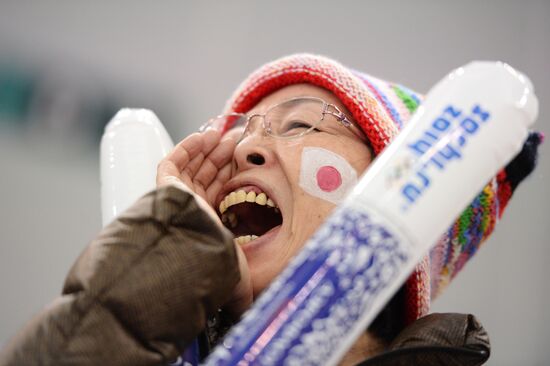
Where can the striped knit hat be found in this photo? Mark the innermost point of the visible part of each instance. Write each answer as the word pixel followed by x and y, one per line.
pixel 381 109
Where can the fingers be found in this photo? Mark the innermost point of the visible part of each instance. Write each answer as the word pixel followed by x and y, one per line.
pixel 169 169
pixel 201 162
pixel 189 150
pixel 191 168
pixel 219 158
pixel 216 186
pixel 165 168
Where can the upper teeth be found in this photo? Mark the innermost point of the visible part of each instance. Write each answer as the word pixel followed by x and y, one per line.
pixel 241 196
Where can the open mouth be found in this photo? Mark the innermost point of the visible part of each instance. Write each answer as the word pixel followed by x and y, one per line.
pixel 249 213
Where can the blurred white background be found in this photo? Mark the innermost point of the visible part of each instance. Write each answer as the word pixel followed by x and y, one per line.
pixel 71 65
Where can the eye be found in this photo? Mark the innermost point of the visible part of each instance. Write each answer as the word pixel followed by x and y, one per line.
pixel 296 127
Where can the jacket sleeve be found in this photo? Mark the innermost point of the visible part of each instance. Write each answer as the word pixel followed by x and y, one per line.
pixel 139 293
pixel 448 339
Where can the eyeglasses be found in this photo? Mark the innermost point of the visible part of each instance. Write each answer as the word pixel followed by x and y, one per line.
pixel 290 119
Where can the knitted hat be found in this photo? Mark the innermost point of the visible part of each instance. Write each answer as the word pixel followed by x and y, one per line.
pixel 381 109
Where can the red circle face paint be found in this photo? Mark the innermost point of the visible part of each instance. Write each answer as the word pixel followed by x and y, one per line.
pixel 328 178
pixel 325 174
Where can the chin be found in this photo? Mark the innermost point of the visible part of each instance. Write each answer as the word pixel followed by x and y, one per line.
pixel 267 257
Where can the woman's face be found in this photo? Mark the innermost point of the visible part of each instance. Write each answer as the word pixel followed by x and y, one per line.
pixel 303 179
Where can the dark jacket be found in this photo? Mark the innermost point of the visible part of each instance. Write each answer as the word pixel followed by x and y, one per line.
pixel 139 293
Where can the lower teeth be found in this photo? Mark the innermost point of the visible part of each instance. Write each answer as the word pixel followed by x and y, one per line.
pixel 245 239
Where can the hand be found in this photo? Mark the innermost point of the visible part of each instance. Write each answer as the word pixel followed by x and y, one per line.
pixel 199 164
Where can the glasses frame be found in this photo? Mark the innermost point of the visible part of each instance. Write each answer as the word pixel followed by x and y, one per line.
pixel 328 109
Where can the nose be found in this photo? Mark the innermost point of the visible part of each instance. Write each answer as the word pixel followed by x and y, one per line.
pixel 252 152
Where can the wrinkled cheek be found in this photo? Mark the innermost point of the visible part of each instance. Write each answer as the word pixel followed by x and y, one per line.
pixel 264 269
pixel 325 174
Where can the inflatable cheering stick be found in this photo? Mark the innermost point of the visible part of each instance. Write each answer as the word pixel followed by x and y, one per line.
pixel 132 145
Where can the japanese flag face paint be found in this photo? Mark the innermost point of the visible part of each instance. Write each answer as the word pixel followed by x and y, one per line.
pixel 326 175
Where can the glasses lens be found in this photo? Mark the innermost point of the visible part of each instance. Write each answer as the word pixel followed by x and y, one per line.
pixel 294 117
pixel 230 123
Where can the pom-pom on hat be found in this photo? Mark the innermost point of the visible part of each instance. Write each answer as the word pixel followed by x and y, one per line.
pixel 381 109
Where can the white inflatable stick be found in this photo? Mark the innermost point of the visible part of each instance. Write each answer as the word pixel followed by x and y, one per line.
pixel 132 145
